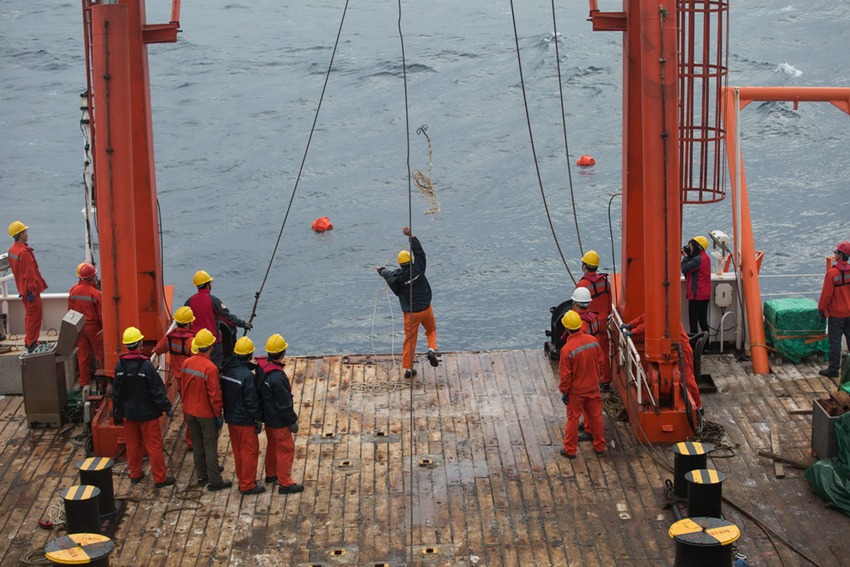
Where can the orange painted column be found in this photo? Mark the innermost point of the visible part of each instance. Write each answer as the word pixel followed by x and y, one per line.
pixel 113 161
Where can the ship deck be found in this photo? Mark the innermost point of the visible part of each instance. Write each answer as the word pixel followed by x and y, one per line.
pixel 495 492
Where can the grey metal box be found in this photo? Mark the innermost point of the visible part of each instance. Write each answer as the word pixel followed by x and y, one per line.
pixel 72 323
pixel 824 441
pixel 45 394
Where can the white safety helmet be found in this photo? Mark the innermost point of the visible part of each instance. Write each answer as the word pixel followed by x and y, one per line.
pixel 581 296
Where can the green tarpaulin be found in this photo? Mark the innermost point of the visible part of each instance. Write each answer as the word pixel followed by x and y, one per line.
pixel 794 328
pixel 830 478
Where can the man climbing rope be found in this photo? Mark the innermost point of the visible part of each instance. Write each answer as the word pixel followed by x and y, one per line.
pixel 411 286
pixel 210 312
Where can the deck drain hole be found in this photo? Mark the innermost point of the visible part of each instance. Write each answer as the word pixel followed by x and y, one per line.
pixel 327 434
pixel 425 463
pixel 337 552
pixel 430 551
pixel 380 434
pixel 344 464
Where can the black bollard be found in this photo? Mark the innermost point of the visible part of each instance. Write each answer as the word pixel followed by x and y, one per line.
pixel 80 549
pixel 97 471
pixel 704 542
pixel 705 493
pixel 82 512
pixel 688 455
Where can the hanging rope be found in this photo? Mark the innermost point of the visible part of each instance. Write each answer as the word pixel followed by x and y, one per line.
pixel 533 150
pixel 564 125
pixel 301 168
pixel 423 182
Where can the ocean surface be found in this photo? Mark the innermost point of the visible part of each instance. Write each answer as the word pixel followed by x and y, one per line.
pixel 234 99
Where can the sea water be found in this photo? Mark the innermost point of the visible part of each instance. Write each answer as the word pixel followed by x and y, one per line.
pixel 234 100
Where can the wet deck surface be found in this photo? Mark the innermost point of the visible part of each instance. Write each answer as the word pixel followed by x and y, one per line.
pixel 493 490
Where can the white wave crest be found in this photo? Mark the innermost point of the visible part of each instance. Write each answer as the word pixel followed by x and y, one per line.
pixel 789 69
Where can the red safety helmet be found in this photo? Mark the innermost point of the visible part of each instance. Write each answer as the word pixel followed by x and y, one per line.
pixel 87 271
pixel 844 247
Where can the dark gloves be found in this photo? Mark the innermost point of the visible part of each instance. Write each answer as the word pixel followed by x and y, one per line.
pixel 822 315
pixel 248 326
pixel 565 398
pixel 628 334
pixel 293 428
pixel 30 297
pixel 119 421
pixel 379 269
pixel 625 327
pixel 258 427
pixel 219 422
pixel 170 412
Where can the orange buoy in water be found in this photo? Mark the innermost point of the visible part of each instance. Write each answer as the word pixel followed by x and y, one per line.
pixel 322 224
pixel 586 161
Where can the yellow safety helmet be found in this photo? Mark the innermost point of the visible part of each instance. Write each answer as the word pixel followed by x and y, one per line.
pixel 204 339
pixel 403 257
pixel 571 320
pixel 80 268
pixel 243 346
pixel 184 315
pixel 132 335
pixel 194 347
pixel 16 228
pixel 87 271
pixel 591 258
pixel 201 277
pixel 702 241
pixel 276 344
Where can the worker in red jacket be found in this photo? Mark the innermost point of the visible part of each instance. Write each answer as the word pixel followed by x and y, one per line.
pixel 211 313
pixel 138 401
pixel 637 327
pixel 579 367
pixel 279 416
pixel 239 388
pixel 597 284
pixel 696 266
pixel 28 280
pixel 834 304
pixel 203 407
pixel 178 344
pixel 595 325
pixel 85 298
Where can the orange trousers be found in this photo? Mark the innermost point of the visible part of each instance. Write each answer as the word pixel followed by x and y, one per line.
pixel 280 452
pixel 89 344
pixel 591 408
pixel 411 333
pixel 145 437
pixel 246 453
pixel 32 319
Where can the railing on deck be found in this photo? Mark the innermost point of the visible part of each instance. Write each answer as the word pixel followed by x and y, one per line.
pixel 629 358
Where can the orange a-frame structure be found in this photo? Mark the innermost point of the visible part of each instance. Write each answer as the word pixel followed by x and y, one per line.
pixel 734 100
pixel 116 37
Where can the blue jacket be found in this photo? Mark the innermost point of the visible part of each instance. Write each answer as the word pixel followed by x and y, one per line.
pixel 239 379
pixel 138 392
pixel 399 281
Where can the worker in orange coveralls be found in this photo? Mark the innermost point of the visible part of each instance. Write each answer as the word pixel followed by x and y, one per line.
pixel 596 326
pixel 637 327
pixel 28 280
pixel 279 416
pixel 239 378
pixel 178 344
pixel 600 301
pixel 138 401
pixel 834 303
pixel 202 404
pixel 85 298
pixel 579 367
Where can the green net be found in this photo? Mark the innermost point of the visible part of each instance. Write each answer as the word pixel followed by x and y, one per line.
pixel 794 328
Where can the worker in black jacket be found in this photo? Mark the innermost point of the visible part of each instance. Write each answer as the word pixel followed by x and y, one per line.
pixel 239 378
pixel 138 401
pixel 279 416
pixel 411 286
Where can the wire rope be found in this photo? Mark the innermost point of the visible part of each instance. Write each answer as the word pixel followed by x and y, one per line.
pixel 564 125
pixel 533 149
pixel 301 167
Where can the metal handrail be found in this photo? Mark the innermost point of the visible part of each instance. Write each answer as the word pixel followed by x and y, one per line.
pixel 630 360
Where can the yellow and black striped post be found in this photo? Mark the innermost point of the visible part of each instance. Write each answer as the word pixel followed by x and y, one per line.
pixel 705 492
pixel 97 471
pixel 80 549
pixel 687 456
pixel 82 512
pixel 704 542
